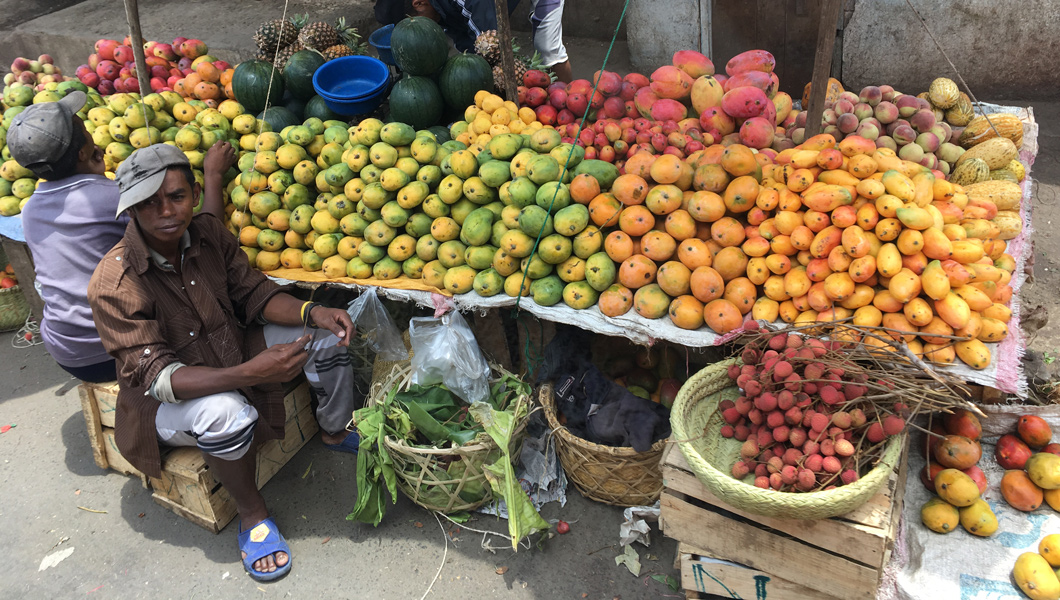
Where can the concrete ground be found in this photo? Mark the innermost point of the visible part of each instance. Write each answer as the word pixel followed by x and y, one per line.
pixel 53 497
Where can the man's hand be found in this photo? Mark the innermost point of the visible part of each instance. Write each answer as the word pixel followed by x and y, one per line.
pixel 219 158
pixel 279 363
pixel 334 320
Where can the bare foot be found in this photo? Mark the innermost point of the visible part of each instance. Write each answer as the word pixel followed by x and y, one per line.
pixel 333 439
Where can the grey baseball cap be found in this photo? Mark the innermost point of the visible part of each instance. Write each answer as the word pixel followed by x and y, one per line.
pixel 41 134
pixel 140 175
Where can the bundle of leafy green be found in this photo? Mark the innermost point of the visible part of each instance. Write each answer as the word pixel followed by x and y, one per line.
pixel 434 417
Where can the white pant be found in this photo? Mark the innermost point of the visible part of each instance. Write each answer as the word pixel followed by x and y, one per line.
pixel 223 424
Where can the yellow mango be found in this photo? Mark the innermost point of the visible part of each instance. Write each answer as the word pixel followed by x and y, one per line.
pixel 1052 498
pixel 899 185
pixel 914 217
pixel 923 188
pixel 953 310
pixel 976 355
pixel 934 280
pixel 1035 577
pixel 1049 548
pixel 1044 470
pixel 888 260
pixel 978 519
pixel 939 516
pixel 957 488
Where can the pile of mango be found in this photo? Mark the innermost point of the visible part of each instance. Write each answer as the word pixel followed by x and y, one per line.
pixel 953 452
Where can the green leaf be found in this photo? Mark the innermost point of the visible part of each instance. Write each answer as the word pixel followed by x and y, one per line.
pixel 523 518
pixel 427 425
pixel 373 468
pixel 669 581
pixel 631 559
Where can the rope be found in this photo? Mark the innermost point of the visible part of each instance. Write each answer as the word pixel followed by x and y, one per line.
pixel 444 555
pixel 952 66
pixel 268 93
pixel 28 336
pixel 566 165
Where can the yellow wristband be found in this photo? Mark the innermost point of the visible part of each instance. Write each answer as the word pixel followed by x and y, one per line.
pixel 302 310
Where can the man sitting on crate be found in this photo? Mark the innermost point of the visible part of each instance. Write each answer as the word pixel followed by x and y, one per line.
pixel 203 343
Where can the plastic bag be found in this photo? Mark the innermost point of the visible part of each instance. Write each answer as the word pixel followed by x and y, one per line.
pixel 375 325
pixel 444 350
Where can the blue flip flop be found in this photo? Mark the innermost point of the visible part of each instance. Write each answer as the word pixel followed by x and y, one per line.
pixel 260 541
pixel 351 443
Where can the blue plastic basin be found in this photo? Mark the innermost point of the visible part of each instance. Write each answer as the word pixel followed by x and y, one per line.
pixel 356 106
pixel 380 40
pixel 351 78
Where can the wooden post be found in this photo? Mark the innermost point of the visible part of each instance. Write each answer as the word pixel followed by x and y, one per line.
pixel 143 76
pixel 504 36
pixel 822 65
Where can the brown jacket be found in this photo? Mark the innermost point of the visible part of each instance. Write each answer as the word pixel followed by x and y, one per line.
pixel 148 318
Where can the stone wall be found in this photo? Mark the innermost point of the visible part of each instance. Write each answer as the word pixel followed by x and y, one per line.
pixel 1003 49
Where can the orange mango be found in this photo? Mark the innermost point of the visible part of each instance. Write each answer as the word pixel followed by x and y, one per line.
pixel 953 310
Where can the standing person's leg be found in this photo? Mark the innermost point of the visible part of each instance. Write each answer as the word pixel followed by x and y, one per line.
pixel 330 374
pixel 222 426
pixel 547 22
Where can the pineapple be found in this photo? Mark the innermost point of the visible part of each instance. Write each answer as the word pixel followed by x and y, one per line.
pixel 338 50
pixel 318 36
pixel 278 33
pixel 285 54
pixel 521 68
pixel 488 46
pixel 349 42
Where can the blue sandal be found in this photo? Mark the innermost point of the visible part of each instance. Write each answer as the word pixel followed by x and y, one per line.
pixel 351 443
pixel 260 541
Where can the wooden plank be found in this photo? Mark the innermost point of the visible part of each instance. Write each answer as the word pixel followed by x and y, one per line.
pixel 114 457
pixel 782 556
pixel 198 519
pixel 22 262
pixel 504 34
pixel 731 581
pixel 105 396
pixel 274 454
pixel 822 65
pixel 862 544
pixel 92 422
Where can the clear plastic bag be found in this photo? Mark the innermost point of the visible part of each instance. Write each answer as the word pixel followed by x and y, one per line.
pixel 374 324
pixel 444 350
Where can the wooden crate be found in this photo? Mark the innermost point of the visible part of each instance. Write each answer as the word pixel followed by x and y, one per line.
pixel 99 401
pixel 786 559
pixel 189 489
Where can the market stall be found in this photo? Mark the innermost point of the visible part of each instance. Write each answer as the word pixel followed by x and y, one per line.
pixel 806 304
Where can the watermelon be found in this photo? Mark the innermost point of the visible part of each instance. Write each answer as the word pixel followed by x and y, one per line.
pixel 250 83
pixel 279 117
pixel 316 107
pixel 419 45
pixel 417 102
pixel 462 77
pixel 298 73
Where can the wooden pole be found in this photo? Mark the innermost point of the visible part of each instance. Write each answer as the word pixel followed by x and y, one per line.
pixel 822 65
pixel 143 76
pixel 504 36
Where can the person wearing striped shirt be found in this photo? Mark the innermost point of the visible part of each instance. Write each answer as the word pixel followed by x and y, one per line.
pixel 203 343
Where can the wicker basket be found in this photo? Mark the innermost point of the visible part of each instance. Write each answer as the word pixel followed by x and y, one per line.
pixel 608 474
pixel 421 472
pixel 13 308
pixel 697 424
